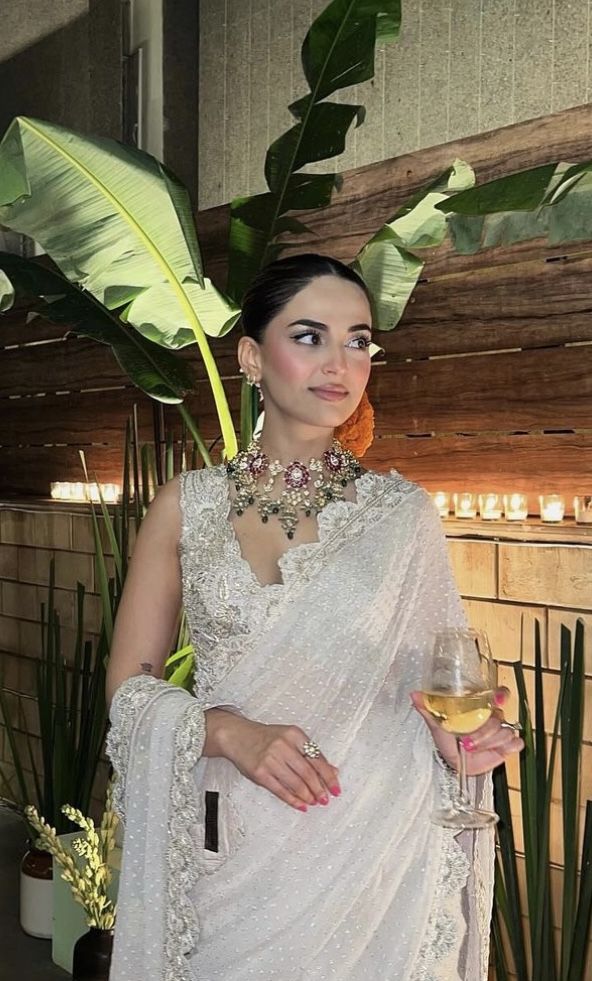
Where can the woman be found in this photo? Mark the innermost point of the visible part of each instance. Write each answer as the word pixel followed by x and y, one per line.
pixel 311 589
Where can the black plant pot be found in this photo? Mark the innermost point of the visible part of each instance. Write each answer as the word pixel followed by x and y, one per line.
pixel 92 955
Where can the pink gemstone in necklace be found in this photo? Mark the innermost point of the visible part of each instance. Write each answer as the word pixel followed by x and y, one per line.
pixel 296 475
pixel 333 460
pixel 257 463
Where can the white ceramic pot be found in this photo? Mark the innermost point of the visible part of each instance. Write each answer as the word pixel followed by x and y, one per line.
pixel 36 894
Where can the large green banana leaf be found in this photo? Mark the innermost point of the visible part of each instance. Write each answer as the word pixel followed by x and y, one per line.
pixel 338 51
pixel 119 224
pixel 553 201
pixel 386 264
pixel 156 371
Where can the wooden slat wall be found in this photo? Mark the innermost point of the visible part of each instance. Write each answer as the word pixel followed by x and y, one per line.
pixel 487 382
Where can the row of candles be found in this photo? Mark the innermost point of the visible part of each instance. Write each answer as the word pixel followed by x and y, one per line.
pixel 64 490
pixel 490 507
pixel 513 507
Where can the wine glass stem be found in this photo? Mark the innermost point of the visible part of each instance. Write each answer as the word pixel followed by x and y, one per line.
pixel 463 789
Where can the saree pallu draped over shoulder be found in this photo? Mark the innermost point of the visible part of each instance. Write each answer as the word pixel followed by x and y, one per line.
pixel 366 888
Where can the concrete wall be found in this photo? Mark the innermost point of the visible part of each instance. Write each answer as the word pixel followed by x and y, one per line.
pixel 61 61
pixel 461 67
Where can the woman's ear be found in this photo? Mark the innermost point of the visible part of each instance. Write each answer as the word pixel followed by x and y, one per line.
pixel 249 358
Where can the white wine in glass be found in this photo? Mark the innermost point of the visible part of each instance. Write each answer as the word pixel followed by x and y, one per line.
pixel 458 682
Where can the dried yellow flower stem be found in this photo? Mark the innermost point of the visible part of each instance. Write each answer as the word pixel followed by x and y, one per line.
pixel 89 885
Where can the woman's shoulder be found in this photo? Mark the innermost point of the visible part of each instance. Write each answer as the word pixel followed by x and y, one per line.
pixel 201 496
pixel 393 485
pixel 191 482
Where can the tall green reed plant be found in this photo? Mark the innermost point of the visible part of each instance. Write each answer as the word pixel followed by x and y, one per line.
pixel 528 948
pixel 145 468
pixel 71 714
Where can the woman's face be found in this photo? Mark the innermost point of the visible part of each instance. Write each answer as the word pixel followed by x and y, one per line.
pixel 314 360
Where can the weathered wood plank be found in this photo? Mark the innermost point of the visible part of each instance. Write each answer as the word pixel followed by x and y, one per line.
pixel 74 363
pixel 523 305
pixel 474 567
pixel 519 391
pixel 14 330
pixel 556 575
pixel 510 628
pixel 529 464
pixel 80 418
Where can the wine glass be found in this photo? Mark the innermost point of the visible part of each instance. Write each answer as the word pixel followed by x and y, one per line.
pixel 458 682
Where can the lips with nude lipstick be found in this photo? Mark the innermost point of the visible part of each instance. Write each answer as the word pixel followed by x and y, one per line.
pixel 330 393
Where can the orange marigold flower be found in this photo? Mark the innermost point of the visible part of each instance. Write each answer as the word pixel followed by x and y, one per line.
pixel 357 433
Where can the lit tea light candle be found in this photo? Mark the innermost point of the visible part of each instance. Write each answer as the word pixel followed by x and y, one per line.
pixel 490 506
pixel 63 490
pixel 515 507
pixel 465 505
pixel 552 507
pixel 583 509
pixel 442 501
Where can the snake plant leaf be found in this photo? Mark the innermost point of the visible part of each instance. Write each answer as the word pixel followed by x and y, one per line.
pixel 338 51
pixel 120 226
pixel 156 371
pixel 6 292
pixel 386 264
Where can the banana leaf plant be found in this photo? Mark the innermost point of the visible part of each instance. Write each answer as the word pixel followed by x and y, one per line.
pixel 157 371
pixel 528 949
pixel 552 201
pixel 71 715
pixel 338 51
pixel 118 224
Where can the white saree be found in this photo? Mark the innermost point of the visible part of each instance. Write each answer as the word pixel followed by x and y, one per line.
pixel 366 888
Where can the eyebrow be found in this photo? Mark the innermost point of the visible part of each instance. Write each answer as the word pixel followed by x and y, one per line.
pixel 321 326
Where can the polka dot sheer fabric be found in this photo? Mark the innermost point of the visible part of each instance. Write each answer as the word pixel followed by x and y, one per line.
pixel 365 888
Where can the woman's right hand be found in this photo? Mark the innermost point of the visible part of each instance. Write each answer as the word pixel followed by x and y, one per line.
pixel 271 757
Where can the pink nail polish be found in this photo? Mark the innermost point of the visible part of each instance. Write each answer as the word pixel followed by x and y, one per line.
pixel 336 791
pixel 302 807
pixel 323 800
pixel 468 744
pixel 499 697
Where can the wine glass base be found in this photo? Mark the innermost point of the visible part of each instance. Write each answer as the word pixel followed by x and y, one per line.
pixel 459 819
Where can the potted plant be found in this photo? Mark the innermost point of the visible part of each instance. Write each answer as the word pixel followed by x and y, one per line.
pixel 90 883
pixel 71 716
pixel 525 944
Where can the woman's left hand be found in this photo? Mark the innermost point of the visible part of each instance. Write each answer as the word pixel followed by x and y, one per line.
pixel 486 747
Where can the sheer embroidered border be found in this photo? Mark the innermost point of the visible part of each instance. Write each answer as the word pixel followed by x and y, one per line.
pixel 442 930
pixel 129 700
pixel 183 859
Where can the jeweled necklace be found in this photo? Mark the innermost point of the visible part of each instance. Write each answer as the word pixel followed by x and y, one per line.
pixel 308 488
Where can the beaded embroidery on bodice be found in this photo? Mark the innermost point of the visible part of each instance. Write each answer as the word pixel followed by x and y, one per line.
pixel 225 604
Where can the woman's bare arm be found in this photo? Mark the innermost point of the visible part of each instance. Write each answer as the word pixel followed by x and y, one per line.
pixel 151 600
pixel 269 755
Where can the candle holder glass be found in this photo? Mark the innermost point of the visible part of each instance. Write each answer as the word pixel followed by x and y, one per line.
pixel 490 506
pixel 515 507
pixel 442 501
pixel 583 509
pixel 465 505
pixel 552 507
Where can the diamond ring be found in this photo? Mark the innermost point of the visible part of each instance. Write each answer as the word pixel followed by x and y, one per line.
pixel 311 750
